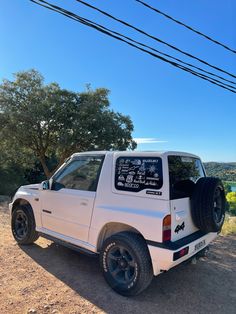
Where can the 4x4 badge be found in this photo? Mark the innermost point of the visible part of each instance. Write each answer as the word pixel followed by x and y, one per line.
pixel 179 227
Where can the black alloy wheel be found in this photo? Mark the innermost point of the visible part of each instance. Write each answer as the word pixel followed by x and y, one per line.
pixel 23 224
pixel 218 206
pixel 126 263
pixel 121 264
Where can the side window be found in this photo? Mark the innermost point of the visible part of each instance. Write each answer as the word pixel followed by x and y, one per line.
pixel 135 174
pixel 82 173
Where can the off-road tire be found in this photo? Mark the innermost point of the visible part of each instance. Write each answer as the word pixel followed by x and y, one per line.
pixel 208 204
pixel 30 235
pixel 141 272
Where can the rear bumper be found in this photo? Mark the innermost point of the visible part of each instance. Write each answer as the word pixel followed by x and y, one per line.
pixel 162 254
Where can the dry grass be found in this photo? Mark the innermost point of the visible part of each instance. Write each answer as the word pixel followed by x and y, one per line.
pixel 229 226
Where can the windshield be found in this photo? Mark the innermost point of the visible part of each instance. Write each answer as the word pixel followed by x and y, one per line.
pixel 183 173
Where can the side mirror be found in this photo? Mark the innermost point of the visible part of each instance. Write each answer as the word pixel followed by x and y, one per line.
pixel 46 185
pixel 56 186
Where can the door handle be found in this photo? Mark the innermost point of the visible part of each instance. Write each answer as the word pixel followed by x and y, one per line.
pixel 84 202
pixel 47 211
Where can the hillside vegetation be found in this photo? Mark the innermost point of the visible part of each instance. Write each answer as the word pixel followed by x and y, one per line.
pixel 224 171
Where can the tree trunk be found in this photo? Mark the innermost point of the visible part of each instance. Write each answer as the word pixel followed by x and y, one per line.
pixel 45 167
pixel 58 166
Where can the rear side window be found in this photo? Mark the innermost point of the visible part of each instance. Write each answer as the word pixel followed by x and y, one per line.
pixel 183 173
pixel 135 174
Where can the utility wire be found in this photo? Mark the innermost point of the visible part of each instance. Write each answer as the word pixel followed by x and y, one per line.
pixel 186 26
pixel 174 58
pixel 88 23
pixel 107 32
pixel 169 56
pixel 155 38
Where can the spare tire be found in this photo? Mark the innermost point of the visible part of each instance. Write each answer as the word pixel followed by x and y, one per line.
pixel 208 204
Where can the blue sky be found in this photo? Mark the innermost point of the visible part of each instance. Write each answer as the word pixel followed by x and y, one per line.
pixel 175 109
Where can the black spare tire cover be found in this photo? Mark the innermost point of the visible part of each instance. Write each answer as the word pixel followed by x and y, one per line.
pixel 208 204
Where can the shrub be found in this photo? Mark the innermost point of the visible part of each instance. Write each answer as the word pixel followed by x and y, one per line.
pixel 229 226
pixel 231 199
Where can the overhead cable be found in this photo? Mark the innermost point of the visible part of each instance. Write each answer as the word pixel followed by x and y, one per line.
pixel 111 33
pixel 186 26
pixel 156 38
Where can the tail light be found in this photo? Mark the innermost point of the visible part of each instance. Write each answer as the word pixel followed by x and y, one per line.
pixel 166 233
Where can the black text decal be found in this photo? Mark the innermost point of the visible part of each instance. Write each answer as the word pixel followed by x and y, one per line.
pixel 179 227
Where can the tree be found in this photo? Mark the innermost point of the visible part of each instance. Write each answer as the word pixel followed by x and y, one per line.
pixel 227 187
pixel 13 164
pixel 231 199
pixel 48 121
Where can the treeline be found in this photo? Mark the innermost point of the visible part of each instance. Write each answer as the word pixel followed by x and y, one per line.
pixel 42 124
pixel 224 171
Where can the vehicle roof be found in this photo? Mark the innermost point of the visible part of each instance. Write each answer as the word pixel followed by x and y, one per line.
pixel 137 153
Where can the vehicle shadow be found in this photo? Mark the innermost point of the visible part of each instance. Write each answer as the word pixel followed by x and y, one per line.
pixel 209 286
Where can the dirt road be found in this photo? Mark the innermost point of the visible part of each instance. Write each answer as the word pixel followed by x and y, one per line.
pixel 48 278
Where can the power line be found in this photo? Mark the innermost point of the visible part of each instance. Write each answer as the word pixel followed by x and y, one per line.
pixel 186 26
pixel 169 56
pixel 103 30
pixel 155 38
pixel 110 33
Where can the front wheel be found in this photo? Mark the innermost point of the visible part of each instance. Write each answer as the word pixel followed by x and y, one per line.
pixel 126 263
pixel 23 225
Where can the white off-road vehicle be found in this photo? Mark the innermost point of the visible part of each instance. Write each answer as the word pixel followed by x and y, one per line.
pixel 143 212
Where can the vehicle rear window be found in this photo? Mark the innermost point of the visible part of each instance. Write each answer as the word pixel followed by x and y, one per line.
pixel 135 174
pixel 183 173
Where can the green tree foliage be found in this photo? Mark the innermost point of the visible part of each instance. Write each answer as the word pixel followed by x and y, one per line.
pixel 13 162
pixel 227 187
pixel 43 123
pixel 231 199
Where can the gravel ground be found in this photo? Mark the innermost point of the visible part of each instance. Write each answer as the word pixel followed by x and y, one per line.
pixel 48 278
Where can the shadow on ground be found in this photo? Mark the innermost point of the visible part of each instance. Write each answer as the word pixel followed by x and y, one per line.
pixel 207 287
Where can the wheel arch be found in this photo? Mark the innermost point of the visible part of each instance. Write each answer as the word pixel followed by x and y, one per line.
pixel 20 202
pixel 112 228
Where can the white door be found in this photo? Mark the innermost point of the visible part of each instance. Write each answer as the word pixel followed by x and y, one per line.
pixel 67 207
pixel 181 219
pixel 184 171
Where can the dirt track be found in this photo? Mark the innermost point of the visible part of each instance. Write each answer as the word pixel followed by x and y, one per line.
pixel 48 278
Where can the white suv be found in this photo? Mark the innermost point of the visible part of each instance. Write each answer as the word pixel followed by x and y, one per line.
pixel 143 212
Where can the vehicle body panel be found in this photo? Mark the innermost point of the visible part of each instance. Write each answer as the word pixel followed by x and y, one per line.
pixel 67 212
pixel 181 220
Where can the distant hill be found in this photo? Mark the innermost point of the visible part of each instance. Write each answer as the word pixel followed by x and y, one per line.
pixel 223 170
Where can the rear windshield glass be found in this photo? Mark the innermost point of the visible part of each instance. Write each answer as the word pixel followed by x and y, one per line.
pixel 184 173
pixel 135 174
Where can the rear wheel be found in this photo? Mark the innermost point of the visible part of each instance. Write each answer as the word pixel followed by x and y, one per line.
pixel 23 225
pixel 126 263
